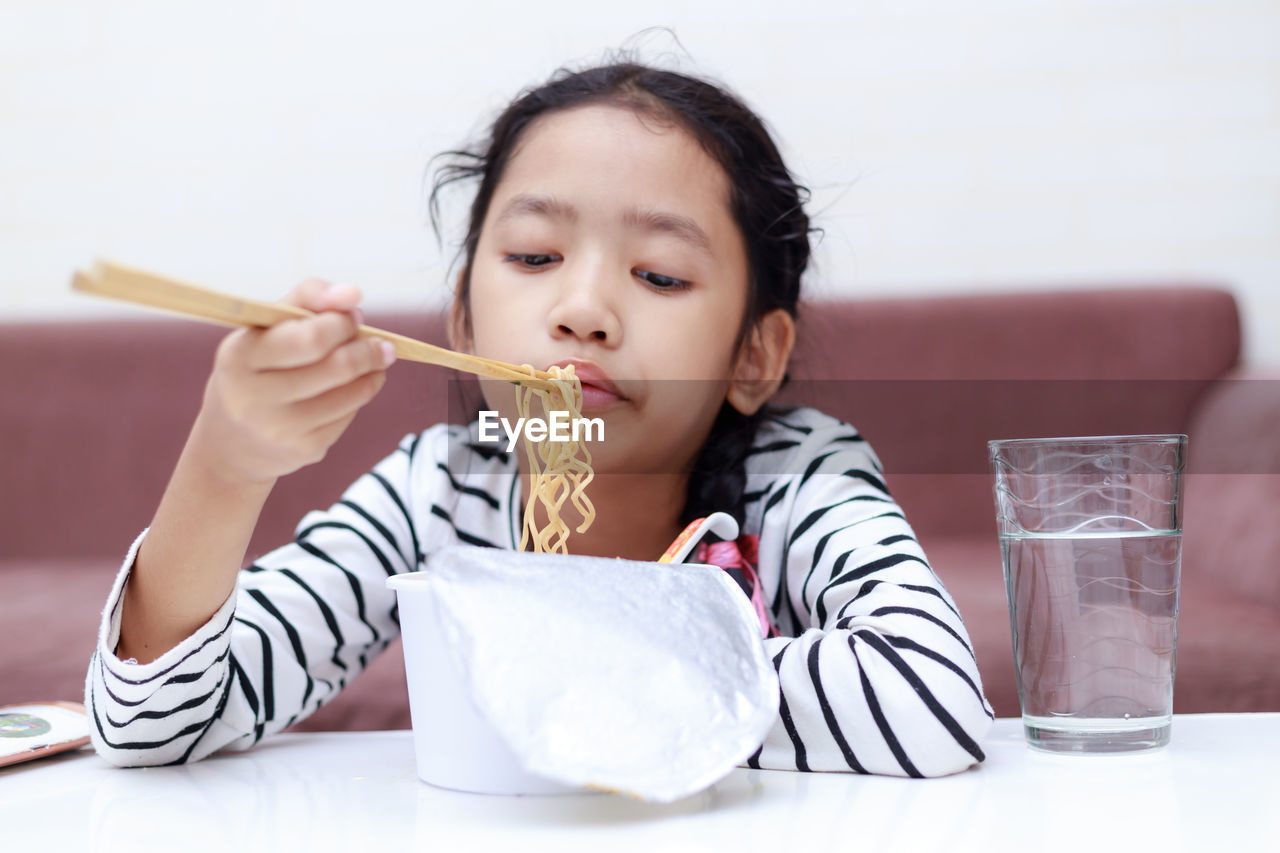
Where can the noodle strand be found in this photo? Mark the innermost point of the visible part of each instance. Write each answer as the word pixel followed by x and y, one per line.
pixel 559 471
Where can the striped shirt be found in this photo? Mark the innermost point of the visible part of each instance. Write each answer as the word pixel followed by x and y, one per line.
pixel 876 670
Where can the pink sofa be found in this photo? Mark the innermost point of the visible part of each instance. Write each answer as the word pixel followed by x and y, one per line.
pixel 93 414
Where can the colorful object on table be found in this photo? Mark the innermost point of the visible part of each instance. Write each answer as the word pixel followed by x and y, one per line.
pixel 38 729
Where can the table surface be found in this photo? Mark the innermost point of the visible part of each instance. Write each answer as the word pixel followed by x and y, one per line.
pixel 1215 787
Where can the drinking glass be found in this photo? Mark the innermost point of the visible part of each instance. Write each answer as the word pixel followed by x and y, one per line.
pixel 1091 544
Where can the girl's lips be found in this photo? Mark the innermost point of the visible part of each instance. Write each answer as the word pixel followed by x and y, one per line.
pixel 595 399
pixel 598 390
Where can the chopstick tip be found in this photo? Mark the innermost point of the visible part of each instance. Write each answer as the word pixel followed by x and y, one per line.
pixel 81 281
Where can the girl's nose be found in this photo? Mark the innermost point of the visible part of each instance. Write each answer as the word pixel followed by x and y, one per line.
pixel 584 310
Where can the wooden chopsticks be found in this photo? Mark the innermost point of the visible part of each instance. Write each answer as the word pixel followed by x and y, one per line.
pixel 144 288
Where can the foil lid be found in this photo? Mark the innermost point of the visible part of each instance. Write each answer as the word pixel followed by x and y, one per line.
pixel 643 678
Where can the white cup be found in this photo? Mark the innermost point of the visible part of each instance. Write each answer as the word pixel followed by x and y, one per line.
pixel 456 747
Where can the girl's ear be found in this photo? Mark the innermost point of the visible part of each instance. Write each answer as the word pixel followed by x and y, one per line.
pixel 459 335
pixel 762 364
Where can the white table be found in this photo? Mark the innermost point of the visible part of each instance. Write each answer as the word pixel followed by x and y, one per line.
pixel 1214 788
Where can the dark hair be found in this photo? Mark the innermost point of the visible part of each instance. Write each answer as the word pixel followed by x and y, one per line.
pixel 766 202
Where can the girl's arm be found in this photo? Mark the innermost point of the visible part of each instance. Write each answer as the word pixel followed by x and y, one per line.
pixel 163 676
pixel 275 401
pixel 302 622
pixel 880 677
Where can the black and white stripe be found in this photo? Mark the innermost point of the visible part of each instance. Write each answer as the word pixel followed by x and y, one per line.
pixel 877 672
pixel 879 675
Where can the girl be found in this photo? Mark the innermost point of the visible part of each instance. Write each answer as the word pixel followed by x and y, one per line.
pixel 640 225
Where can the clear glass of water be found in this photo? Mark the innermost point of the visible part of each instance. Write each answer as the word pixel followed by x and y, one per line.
pixel 1091 540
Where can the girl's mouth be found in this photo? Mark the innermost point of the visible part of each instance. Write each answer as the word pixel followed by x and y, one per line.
pixel 598 390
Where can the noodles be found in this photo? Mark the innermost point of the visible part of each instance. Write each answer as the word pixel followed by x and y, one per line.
pixel 559 471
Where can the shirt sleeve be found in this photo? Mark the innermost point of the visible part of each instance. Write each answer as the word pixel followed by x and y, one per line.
pixel 303 621
pixel 880 676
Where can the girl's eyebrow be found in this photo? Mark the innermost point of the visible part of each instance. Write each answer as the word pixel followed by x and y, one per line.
pixel 681 227
pixel 527 204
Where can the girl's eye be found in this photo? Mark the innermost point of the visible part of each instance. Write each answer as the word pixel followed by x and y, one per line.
pixel 662 282
pixel 532 260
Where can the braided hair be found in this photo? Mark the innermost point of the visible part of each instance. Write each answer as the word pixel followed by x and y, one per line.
pixel 765 200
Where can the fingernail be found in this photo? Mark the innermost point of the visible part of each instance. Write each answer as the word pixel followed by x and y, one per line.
pixel 358 316
pixel 388 354
pixel 339 292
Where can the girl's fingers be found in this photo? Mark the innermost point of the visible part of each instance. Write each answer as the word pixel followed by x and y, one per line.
pixel 335 404
pixel 349 361
pixel 279 397
pixel 315 294
pixel 295 343
pixel 306 341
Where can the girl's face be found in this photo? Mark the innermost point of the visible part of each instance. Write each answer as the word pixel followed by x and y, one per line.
pixel 609 244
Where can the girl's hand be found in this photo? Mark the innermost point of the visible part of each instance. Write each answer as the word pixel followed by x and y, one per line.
pixel 279 398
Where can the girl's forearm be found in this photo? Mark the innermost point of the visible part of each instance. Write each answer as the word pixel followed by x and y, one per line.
pixel 276 400
pixel 187 564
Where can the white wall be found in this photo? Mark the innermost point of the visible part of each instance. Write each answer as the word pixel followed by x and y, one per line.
pixel 951 145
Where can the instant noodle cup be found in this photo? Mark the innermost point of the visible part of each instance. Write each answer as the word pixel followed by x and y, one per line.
pixel 547 673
